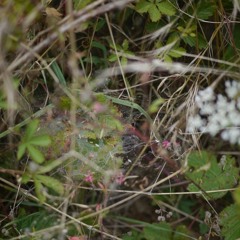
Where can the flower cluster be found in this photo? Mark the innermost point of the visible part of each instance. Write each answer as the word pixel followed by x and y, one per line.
pixel 163 214
pixel 218 113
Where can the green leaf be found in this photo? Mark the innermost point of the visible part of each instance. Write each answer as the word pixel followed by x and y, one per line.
pixel 58 72
pixel 79 4
pixel 38 220
pixel 173 38
pixel 31 129
pixel 166 8
pixel 154 13
pixel 167 59
pixel 143 6
pixel 182 233
pixel 49 166
pixel 205 10
pixel 177 52
pixel 154 107
pixel 25 178
pixel 43 140
pixel 124 61
pixel 230 222
pixel 125 44
pixel 101 22
pixel 112 58
pixel 51 183
pixel 154 231
pixel 100 46
pixel 3 102
pixel 39 190
pixel 236 196
pixel 35 154
pixel 208 174
pixel 191 41
pixel 134 235
pixel 21 150
pixel 201 41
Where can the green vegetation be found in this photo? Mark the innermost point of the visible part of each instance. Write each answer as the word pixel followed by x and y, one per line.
pixel 119 119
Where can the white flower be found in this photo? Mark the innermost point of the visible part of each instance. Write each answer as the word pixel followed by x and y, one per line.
pixel 232 89
pixel 207 109
pixel 231 106
pixel 238 103
pixel 234 118
pixel 222 117
pixel 207 94
pixel 213 128
pixel 194 123
pixel 225 135
pixel 221 102
pixel 204 96
pixel 218 113
pixel 234 135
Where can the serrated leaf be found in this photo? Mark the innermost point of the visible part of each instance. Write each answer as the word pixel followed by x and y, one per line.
pixel 110 122
pixel 21 150
pixel 35 154
pixel 51 183
pixel 166 8
pixel 125 44
pixel 43 140
pixel 191 41
pixel 173 38
pixel 124 61
pixel 154 13
pixel 167 59
pixel 31 129
pixel 143 6
pixel 207 174
pixel 230 222
pixel 38 220
pixel 112 58
pixel 205 10
pixel 39 190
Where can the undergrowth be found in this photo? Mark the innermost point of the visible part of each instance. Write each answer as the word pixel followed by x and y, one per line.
pixel 119 119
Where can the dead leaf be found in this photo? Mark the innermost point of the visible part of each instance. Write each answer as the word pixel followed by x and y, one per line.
pixel 53 16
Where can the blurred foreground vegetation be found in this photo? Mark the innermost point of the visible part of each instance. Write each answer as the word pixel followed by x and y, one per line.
pixel 119 119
